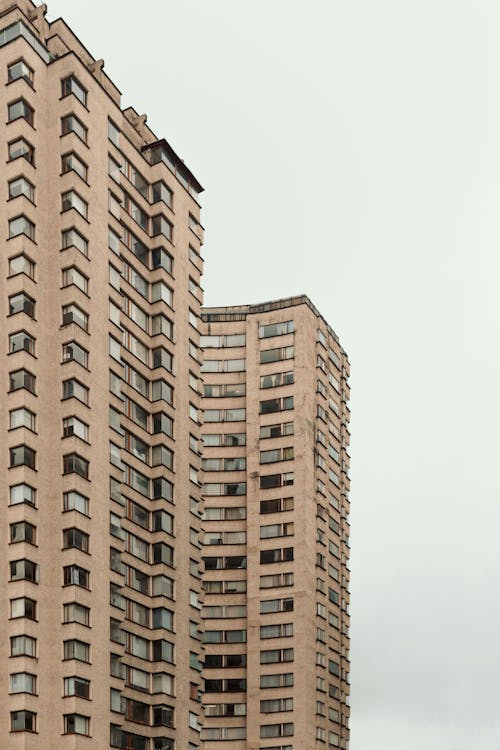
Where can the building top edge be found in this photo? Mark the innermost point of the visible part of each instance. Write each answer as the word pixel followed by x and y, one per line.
pixel 240 312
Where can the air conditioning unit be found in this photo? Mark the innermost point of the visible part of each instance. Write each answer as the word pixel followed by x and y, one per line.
pixel 254 474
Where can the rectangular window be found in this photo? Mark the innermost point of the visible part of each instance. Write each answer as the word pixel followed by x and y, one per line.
pixel 73 426
pixel 73 276
pixel 75 501
pixel 22 186
pixel 74 575
pixel 73 352
pixel 72 85
pixel 21 225
pixel 76 724
pixel 20 69
pixel 22 721
pixel 75 539
pixel 23 570
pixel 73 314
pixel 161 192
pixel 21 264
pixel 71 199
pixel 276 355
pixel 21 108
pixel 73 238
pixel 161 225
pixel 21 341
pixel 22 455
pixel 276 329
pixel 21 149
pixel 74 612
pixel 71 124
pixel 113 133
pixel 22 303
pixel 22 645
pixel 72 163
pixel 22 531
pixel 75 464
pixel 23 607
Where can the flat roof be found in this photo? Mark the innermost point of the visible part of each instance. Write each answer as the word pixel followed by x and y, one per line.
pixel 240 312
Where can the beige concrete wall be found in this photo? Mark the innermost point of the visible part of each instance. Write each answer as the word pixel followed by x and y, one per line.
pixel 311 514
pixel 49 518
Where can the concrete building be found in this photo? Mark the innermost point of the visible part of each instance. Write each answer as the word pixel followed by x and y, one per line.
pixel 100 295
pixel 276 531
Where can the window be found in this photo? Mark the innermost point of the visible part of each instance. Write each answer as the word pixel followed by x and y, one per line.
pixel 74 612
pixel 268 481
pixel 160 291
pixel 72 163
pixel 161 225
pixel 113 133
pixel 23 570
pixel 75 575
pixel 22 721
pixel 21 379
pixel 276 555
pixel 71 199
pixel 276 506
pixel 276 680
pixel 23 607
pixel 162 259
pixel 75 539
pixel 276 404
pixel 73 238
pixel 74 389
pixel 74 649
pixel 21 225
pixel 21 108
pixel 21 186
pixel 276 631
pixel 22 303
pixel 22 455
pixel 275 656
pixel 276 355
pixel 22 531
pixel 22 645
pixel 21 264
pixel 73 314
pixel 76 686
pixel 276 379
pixel 75 464
pixel 277 454
pixel 161 192
pixel 23 417
pixel 71 124
pixel 73 276
pixel 72 85
pixel 21 149
pixel 21 341
pixel 276 329
pixel 76 724
pixel 20 69
pixel 22 493
pixel 74 352
pixel 75 501
pixel 275 705
pixel 223 365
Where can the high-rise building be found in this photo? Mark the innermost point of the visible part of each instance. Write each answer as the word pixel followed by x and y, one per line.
pixel 100 294
pixel 276 532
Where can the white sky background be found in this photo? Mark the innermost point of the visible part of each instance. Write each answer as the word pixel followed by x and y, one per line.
pixel 350 151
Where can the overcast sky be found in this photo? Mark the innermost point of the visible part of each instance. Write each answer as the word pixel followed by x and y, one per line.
pixel 350 151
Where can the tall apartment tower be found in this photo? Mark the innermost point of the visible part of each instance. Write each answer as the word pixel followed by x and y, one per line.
pixel 99 402
pixel 276 532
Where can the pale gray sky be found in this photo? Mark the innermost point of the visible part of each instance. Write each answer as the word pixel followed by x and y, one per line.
pixel 351 151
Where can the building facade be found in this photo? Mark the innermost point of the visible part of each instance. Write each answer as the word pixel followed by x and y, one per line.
pixel 276 531
pixel 100 269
